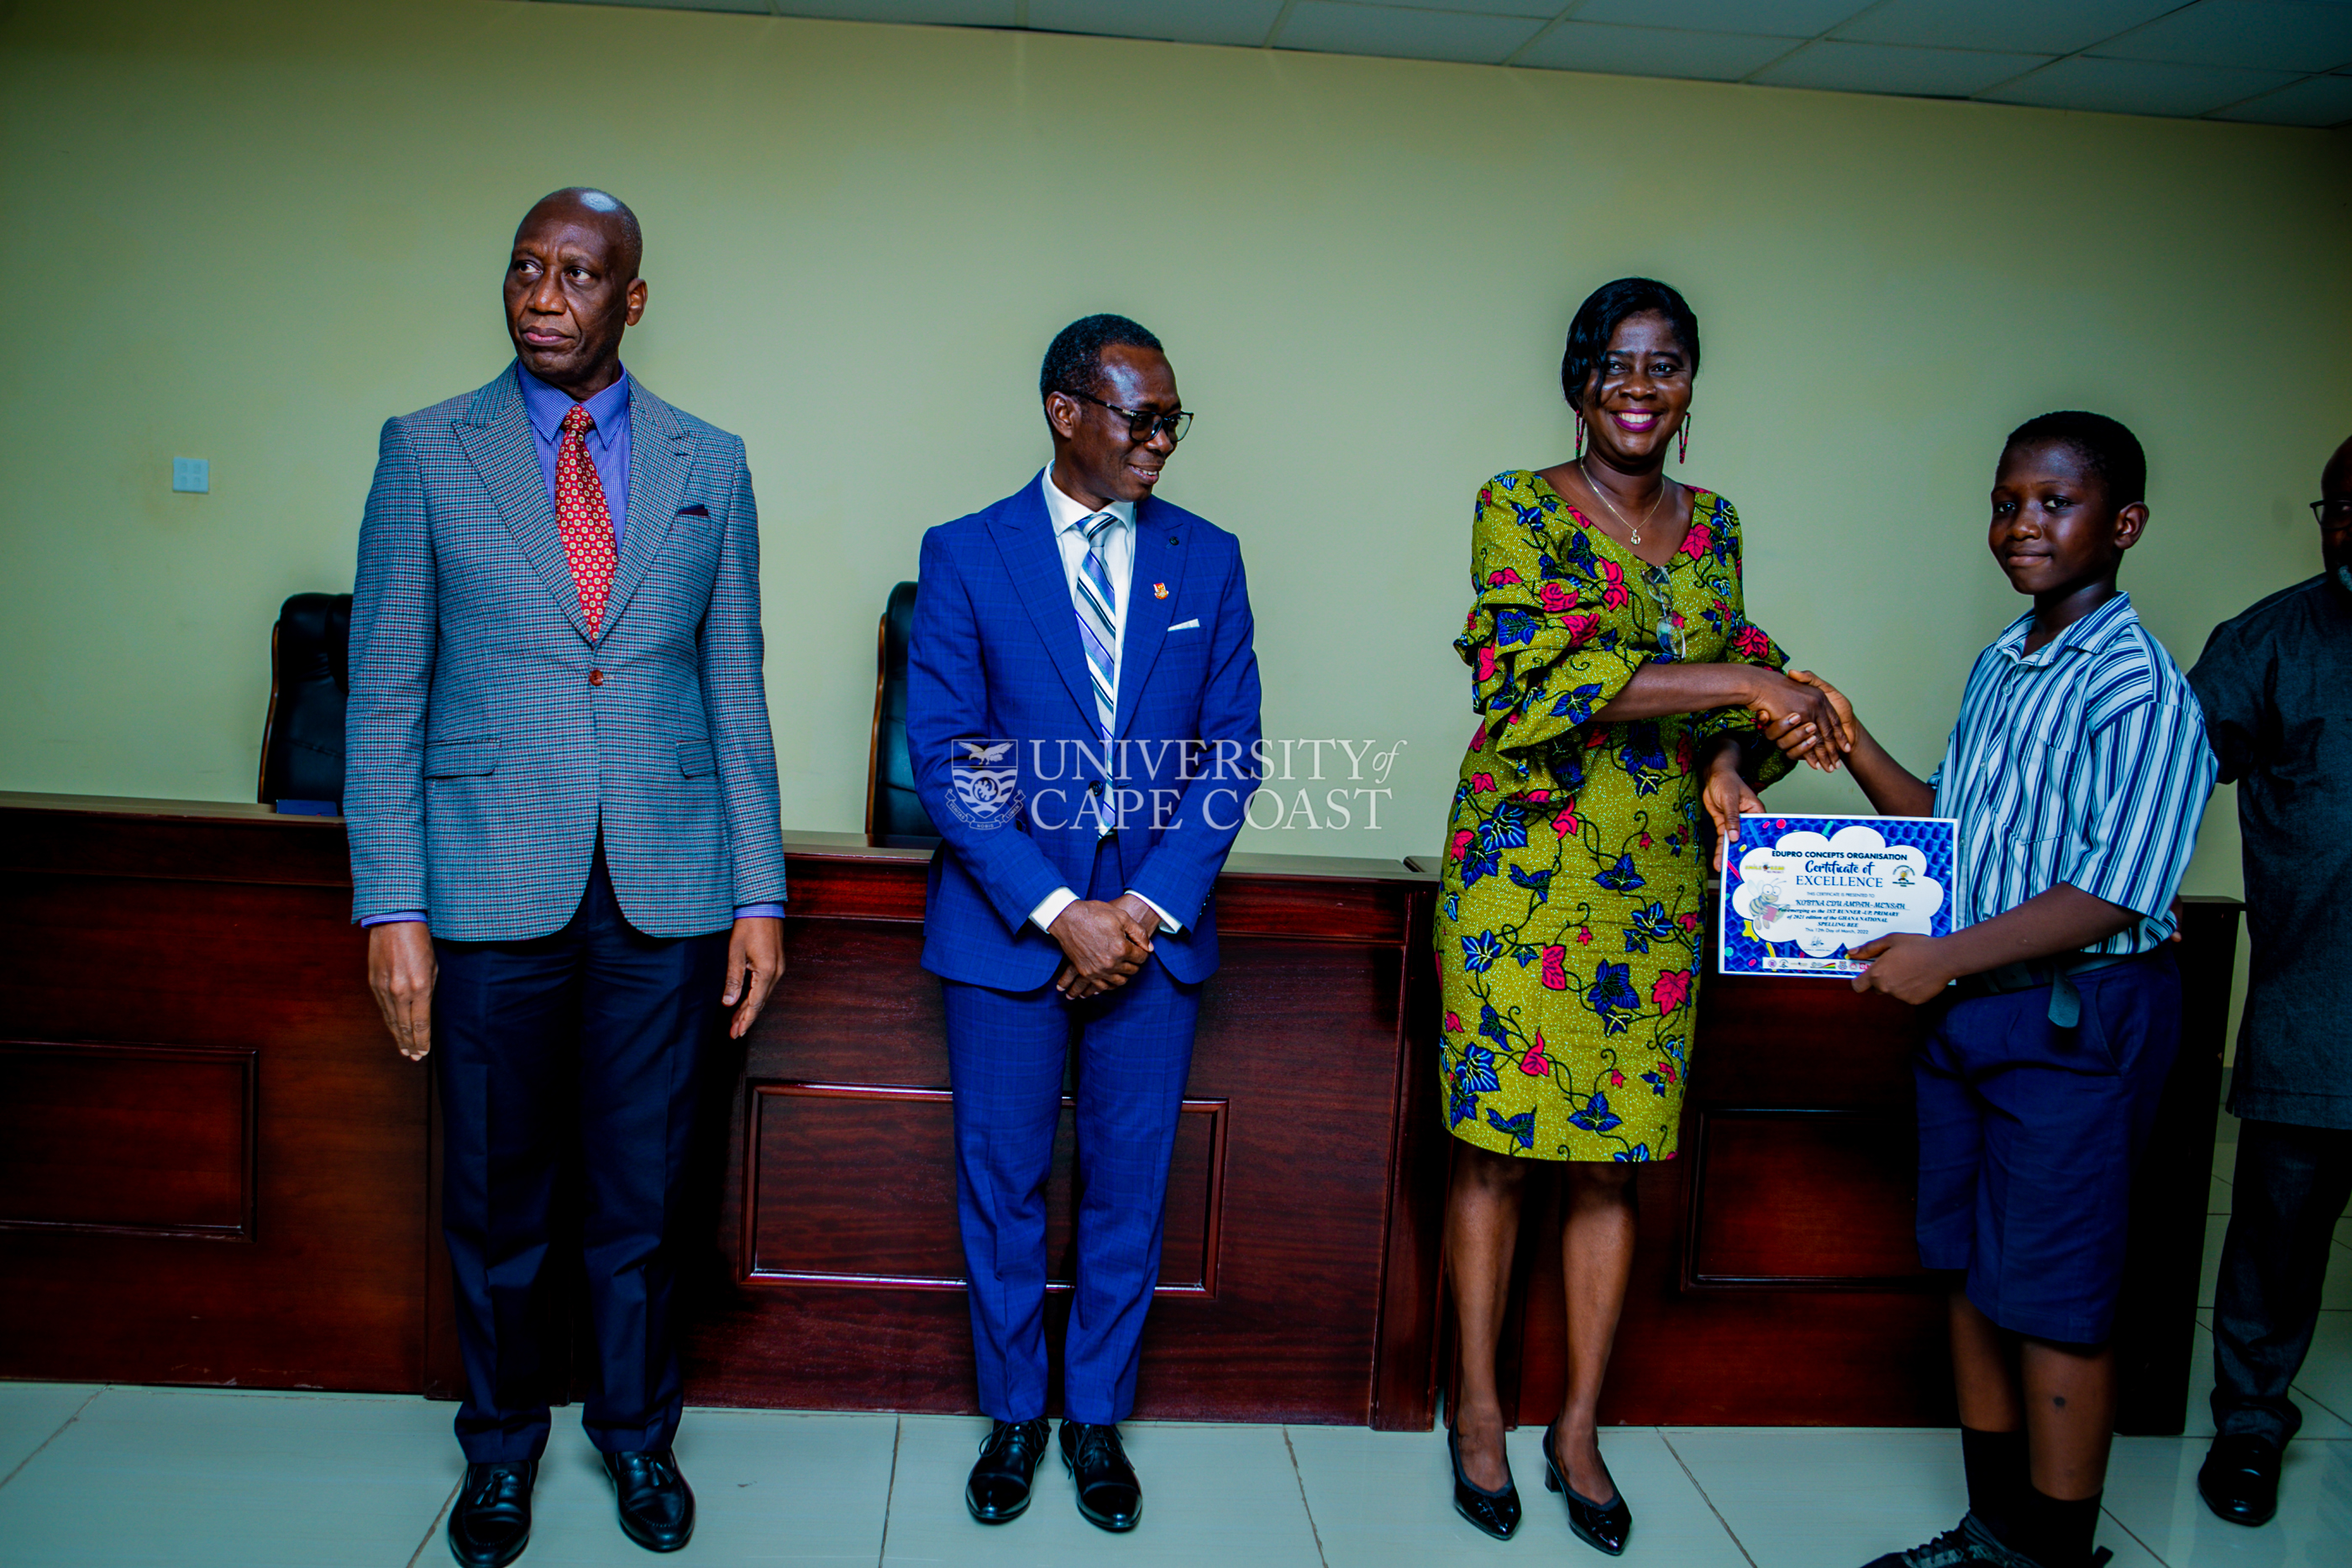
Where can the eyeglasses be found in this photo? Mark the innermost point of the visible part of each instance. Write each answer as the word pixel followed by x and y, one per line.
pixel 2333 513
pixel 1142 424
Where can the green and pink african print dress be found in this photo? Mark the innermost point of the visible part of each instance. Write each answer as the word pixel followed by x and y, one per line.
pixel 1569 924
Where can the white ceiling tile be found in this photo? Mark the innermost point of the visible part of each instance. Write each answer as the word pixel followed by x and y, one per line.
pixel 2037 27
pixel 758 7
pixel 1546 9
pixel 1893 68
pixel 1652 51
pixel 1773 18
pixel 2265 34
pixel 2137 87
pixel 952 13
pixel 1244 22
pixel 1346 29
pixel 2314 100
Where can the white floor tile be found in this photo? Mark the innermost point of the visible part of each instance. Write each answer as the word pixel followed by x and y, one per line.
pixel 1212 1494
pixel 2217 1199
pixel 1805 1497
pixel 184 1479
pixel 1387 1497
pixel 769 1487
pixel 30 1415
pixel 2336 1295
pixel 2152 1493
pixel 2326 1376
pixel 2225 1159
pixel 2208 1269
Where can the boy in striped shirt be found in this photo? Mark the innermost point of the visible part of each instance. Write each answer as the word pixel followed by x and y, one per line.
pixel 2078 771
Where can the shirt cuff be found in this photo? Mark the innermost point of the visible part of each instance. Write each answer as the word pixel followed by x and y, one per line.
pixel 759 912
pixel 397 917
pixel 1049 908
pixel 1167 921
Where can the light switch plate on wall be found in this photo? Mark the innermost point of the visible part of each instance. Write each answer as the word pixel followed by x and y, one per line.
pixel 193 475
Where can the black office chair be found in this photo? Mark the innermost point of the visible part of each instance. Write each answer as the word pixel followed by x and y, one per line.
pixel 893 814
pixel 309 677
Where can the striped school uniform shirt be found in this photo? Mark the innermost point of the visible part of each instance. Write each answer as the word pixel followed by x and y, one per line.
pixel 2084 762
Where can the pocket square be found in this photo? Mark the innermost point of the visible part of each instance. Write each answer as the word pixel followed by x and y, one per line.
pixel 695 510
pixel 1191 625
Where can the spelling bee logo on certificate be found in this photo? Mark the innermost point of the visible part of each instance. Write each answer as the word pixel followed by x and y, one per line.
pixel 1799 891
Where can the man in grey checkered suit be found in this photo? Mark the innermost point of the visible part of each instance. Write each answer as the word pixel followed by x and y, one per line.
pixel 562 802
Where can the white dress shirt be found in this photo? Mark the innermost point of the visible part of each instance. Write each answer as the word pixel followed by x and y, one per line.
pixel 1069 518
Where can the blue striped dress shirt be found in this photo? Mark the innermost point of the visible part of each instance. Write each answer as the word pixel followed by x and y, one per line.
pixel 2084 762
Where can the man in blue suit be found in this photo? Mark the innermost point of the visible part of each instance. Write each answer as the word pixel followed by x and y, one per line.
pixel 562 802
pixel 1082 715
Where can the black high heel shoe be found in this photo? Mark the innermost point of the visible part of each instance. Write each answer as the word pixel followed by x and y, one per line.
pixel 1604 1529
pixel 1495 1513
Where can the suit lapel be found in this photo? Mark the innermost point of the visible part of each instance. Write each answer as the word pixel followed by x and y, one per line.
pixel 1158 564
pixel 499 442
pixel 1024 536
pixel 661 459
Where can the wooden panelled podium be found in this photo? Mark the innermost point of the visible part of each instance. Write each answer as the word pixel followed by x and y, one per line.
pixel 215 1169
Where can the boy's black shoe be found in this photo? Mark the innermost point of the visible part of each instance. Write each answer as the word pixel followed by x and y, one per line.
pixel 2238 1479
pixel 490 1523
pixel 1969 1545
pixel 1109 1497
pixel 656 1505
pixel 999 1488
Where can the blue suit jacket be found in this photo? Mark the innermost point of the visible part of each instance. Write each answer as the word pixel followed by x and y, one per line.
pixel 996 658
pixel 487 738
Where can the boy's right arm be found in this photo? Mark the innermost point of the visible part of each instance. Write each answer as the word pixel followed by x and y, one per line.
pixel 1894 789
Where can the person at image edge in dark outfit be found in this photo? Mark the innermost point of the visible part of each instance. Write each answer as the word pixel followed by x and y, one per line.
pixel 2276 685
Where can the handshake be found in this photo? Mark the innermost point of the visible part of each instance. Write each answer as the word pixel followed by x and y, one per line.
pixel 1808 718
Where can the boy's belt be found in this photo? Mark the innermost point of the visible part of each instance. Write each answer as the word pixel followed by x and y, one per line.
pixel 2057 973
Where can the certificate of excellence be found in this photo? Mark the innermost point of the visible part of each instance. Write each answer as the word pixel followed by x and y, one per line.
pixel 1800 892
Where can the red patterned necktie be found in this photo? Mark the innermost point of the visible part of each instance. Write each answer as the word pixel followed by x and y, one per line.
pixel 586 522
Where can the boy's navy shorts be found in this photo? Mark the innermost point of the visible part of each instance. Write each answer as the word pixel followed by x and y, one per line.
pixel 2028 1137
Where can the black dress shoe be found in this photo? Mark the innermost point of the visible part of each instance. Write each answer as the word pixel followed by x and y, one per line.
pixel 490 1524
pixel 1496 1512
pixel 1603 1526
pixel 999 1488
pixel 2239 1480
pixel 656 1505
pixel 1109 1495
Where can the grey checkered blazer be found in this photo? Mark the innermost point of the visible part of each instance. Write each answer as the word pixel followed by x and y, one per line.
pixel 487 735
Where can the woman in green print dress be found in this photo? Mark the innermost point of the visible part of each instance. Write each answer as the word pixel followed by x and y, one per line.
pixel 1620 687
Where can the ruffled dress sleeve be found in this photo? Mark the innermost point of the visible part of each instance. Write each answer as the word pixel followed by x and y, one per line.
pixel 1550 639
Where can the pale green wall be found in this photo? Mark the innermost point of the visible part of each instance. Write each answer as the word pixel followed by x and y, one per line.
pixel 250 232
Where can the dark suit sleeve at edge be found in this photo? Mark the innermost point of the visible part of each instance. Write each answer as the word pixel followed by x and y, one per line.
pixel 395 628
pixel 946 702
pixel 735 696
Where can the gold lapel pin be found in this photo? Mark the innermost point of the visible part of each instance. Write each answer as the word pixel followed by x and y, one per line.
pixel 1159 590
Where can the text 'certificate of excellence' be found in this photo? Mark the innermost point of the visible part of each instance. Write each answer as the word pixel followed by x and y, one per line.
pixel 1800 892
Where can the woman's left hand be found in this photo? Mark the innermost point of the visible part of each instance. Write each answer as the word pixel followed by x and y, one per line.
pixel 1728 796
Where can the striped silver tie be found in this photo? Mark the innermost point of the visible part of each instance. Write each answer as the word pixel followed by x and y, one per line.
pixel 1099 622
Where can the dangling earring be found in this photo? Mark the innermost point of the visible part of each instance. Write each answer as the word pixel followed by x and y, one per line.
pixel 1579 438
pixel 1681 441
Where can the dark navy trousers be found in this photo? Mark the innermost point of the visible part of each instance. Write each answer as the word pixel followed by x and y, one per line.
pixel 1008 1052
pixel 588 1037
pixel 2291 1185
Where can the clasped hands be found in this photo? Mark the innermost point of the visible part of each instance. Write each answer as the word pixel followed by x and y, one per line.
pixel 1103 944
